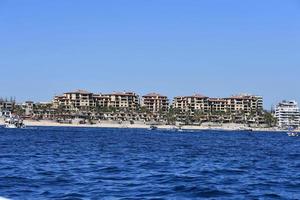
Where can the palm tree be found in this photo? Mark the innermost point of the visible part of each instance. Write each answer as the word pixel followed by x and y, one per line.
pixel 171 115
pixel 269 119
pixel 60 111
pixel 18 110
pixel 198 116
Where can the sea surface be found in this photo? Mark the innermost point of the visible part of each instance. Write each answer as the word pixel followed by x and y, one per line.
pixel 94 163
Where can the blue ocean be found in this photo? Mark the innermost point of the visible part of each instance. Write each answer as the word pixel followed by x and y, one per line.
pixel 95 163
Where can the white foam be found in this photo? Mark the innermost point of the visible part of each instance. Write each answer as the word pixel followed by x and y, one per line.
pixel 2 198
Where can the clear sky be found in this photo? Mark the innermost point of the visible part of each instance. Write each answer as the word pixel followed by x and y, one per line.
pixel 174 47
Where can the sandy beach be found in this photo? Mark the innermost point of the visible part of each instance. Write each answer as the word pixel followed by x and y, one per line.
pixel 114 124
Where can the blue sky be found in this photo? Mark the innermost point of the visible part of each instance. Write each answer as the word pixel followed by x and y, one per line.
pixel 174 47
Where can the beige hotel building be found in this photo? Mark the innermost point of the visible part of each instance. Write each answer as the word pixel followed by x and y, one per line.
pixel 240 103
pixel 155 103
pixel 84 100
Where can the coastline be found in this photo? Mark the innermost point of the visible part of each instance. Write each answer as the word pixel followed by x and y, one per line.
pixel 114 124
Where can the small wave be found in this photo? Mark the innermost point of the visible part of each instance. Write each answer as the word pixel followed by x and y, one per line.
pixel 68 163
pixel 72 196
pixel 230 171
pixel 213 193
pixel 272 196
pixel 201 192
pixel 111 169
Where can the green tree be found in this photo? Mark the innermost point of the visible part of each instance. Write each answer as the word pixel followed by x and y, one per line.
pixel 199 115
pixel 171 115
pixel 269 119
pixel 18 110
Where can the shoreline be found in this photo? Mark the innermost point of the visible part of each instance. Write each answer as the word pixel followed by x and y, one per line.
pixel 113 124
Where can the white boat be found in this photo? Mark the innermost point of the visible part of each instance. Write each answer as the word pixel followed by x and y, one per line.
pixel 14 122
pixel 175 129
pixel 293 134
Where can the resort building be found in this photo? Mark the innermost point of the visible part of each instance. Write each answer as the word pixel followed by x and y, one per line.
pixel 87 102
pixel 247 104
pixel 75 101
pixel 101 100
pixel 83 100
pixel 127 100
pixel 217 105
pixel 191 103
pixel 155 103
pixel 118 100
pixel 288 114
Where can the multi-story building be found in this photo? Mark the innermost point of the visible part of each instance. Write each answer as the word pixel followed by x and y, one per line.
pixel 191 103
pixel 257 103
pixel 218 105
pixel 245 103
pixel 101 100
pixel 288 114
pixel 83 100
pixel 74 101
pixel 241 103
pixel 128 100
pixel 155 103
pixel 28 107
pixel 6 105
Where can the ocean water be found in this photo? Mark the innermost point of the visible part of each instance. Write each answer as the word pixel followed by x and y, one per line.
pixel 92 163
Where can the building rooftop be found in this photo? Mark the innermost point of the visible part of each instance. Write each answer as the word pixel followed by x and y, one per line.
pixel 288 103
pixel 153 94
pixel 243 96
pixel 217 99
pixel 198 96
pixel 79 92
pixel 191 96
pixel 122 93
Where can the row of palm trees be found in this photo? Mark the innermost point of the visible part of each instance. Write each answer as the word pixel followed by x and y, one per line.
pixel 198 117
pixel 172 116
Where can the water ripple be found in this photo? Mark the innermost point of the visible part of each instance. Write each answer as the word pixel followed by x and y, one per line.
pixel 86 163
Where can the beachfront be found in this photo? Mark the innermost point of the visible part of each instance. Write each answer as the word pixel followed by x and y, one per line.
pixel 114 124
pixel 127 110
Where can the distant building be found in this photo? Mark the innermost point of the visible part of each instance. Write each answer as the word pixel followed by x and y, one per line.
pixel 101 100
pixel 28 107
pixel 39 110
pixel 288 114
pixel 83 100
pixel 75 101
pixel 218 105
pixel 246 104
pixel 128 100
pixel 191 103
pixel 6 105
pixel 155 103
